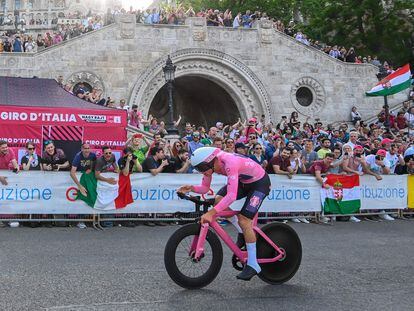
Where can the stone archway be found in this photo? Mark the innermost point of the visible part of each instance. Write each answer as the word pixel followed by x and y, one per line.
pixel 233 76
pixel 199 100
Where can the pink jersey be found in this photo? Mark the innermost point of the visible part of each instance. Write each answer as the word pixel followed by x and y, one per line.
pixel 237 168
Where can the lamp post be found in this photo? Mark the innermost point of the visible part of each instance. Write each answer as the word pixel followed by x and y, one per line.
pixel 169 75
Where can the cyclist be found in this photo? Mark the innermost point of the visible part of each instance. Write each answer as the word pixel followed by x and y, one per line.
pixel 245 179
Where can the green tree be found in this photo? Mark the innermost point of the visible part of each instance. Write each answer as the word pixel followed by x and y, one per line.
pixel 384 28
pixel 374 27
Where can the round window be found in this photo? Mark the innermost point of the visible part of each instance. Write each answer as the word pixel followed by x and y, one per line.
pixel 304 96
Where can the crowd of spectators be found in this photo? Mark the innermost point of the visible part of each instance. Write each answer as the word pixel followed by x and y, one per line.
pixel 23 42
pixel 287 148
pixel 247 20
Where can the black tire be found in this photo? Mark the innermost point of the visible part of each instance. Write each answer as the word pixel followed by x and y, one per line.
pixel 176 272
pixel 284 237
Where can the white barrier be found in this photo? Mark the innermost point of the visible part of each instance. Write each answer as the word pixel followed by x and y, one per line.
pixel 55 192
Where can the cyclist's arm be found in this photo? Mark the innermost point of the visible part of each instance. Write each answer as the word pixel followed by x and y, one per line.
pixel 205 185
pixel 232 187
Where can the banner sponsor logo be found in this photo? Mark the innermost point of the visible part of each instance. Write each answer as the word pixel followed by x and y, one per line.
pixel 20 140
pixel 72 194
pixel 109 143
pixel 25 194
pixel 91 118
pixel 33 116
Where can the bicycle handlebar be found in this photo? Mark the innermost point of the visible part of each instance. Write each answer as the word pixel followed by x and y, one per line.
pixel 196 200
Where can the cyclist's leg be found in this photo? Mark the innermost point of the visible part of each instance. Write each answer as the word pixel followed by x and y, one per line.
pixel 234 220
pixel 251 206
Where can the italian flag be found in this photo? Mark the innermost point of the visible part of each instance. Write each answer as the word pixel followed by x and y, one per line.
pixel 344 195
pixel 104 196
pixel 393 83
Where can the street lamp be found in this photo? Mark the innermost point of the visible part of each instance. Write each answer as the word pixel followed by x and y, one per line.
pixel 169 75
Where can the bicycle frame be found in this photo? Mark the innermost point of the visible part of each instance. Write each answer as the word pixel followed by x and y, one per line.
pixel 197 244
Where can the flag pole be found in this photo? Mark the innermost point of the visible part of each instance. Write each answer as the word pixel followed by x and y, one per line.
pixel 387 113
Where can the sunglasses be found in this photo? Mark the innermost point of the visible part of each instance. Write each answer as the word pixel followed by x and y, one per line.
pixel 204 167
pixel 108 153
pixel 257 148
pixel 230 142
pixel 30 148
pixel 47 142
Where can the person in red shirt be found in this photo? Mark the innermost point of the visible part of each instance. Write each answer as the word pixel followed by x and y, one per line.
pixel 7 158
pixel 280 164
pixel 321 167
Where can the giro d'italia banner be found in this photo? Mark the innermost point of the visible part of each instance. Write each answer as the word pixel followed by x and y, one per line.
pixel 55 193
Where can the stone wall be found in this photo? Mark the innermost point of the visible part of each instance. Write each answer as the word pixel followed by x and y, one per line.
pixel 260 68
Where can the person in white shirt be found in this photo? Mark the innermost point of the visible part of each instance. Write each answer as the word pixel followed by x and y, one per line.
pixel 377 163
pixel 394 158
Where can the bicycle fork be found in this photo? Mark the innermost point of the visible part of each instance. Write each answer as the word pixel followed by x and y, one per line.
pixel 197 245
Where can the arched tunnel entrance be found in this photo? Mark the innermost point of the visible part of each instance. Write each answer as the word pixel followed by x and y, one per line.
pixel 198 100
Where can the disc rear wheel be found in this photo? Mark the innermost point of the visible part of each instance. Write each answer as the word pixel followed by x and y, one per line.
pixel 285 238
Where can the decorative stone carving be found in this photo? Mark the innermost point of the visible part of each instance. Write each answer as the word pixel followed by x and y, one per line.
pixel 236 78
pixel 127 26
pixel 198 28
pixel 318 93
pixel 87 77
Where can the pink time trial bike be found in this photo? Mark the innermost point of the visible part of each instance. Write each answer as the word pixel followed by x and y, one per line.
pixel 193 255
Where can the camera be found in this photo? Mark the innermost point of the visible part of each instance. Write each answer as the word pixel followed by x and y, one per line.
pixel 134 157
pixel 358 155
pixel 379 158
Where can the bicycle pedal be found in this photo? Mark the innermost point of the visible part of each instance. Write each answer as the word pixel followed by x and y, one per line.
pixel 237 264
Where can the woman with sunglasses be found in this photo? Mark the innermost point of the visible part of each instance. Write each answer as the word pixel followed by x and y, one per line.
pixel 229 145
pixel 177 146
pixel 31 161
pixel 258 155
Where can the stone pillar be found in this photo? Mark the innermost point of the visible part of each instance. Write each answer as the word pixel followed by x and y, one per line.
pixel 198 28
pixel 127 23
pixel 266 30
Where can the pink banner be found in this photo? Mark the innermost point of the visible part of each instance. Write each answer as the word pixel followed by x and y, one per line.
pixel 62 116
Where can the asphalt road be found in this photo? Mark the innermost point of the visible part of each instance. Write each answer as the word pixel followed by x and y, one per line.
pixel 347 266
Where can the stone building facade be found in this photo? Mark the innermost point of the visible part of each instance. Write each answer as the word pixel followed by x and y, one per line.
pixel 256 71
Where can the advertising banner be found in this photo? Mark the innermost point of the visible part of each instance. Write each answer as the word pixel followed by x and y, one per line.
pixel 62 116
pixel 388 193
pixel 55 193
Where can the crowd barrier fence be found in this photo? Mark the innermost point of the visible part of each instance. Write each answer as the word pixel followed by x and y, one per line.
pixel 51 196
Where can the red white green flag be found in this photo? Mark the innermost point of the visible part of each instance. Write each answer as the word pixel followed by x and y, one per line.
pixel 344 195
pixel 394 83
pixel 104 196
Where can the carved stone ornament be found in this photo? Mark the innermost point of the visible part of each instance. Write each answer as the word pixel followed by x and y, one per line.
pixel 266 31
pixel 86 77
pixel 318 94
pixel 127 26
pixel 236 78
pixel 198 28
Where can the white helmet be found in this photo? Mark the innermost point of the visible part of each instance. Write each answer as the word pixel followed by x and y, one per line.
pixel 202 158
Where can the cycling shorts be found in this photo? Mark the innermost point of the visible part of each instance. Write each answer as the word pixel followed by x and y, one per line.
pixel 254 193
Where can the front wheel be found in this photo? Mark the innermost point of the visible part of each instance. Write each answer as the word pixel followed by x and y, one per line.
pixel 180 263
pixel 286 238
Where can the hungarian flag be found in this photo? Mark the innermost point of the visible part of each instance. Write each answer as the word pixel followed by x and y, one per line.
pixel 104 196
pixel 344 195
pixel 393 83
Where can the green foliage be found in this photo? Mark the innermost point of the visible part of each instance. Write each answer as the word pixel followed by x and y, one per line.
pixel 374 27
